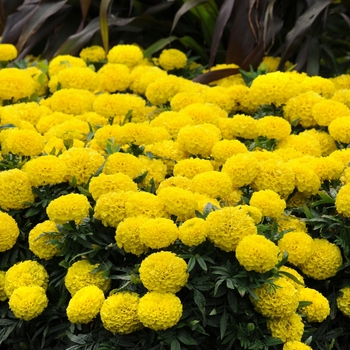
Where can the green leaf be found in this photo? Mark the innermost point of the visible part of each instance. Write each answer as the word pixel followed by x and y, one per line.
pixel 185 338
pixel 223 324
pixel 104 23
pixel 304 304
pixel 189 42
pixel 158 45
pixel 200 301
pixel 175 345
pixel 202 263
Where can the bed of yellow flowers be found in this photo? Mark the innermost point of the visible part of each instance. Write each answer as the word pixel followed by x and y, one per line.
pixel 142 210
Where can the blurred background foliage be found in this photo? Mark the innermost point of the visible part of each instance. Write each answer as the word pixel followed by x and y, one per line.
pixel 313 34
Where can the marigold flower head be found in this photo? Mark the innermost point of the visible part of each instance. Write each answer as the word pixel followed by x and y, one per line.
pixel 295 345
pixel 8 52
pixel 323 86
pixel 298 245
pixel 257 253
pixel 82 274
pixel 137 134
pixel 46 122
pixel 41 80
pixel 45 170
pixel 343 301
pixel 128 235
pixel 3 295
pixel 319 309
pixel 114 77
pixel 281 301
pixel 297 276
pixel 71 101
pixel 55 146
pixel 158 233
pixel 202 113
pixel 156 171
pixel 269 202
pixel 193 232
pixel 220 96
pixel 343 96
pixel 288 329
pixel 342 201
pixel 130 55
pixel 343 155
pixel 184 99
pixel 125 163
pixel 307 144
pixel 159 311
pixel 191 167
pixel 325 111
pixel 339 129
pixel 290 222
pixel 9 232
pixel 224 149
pixel 69 207
pixel 15 84
pixel 61 62
pixel 25 273
pixel 326 168
pixel 82 163
pixel 324 261
pixel 28 302
pixel 227 227
pixel 163 272
pixel 94 53
pixel 142 76
pixel 240 125
pixel 170 59
pixel 273 127
pixel 341 81
pixel 85 304
pixel 40 237
pixel 176 181
pixel 110 208
pixel 326 141
pixel 119 313
pixel 15 190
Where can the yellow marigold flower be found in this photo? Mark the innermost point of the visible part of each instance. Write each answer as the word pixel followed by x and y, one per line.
pixel 3 295
pixel 163 272
pixel 343 301
pixel 158 233
pixel 41 80
pixel 94 53
pixel 39 240
pixel 159 311
pixel 111 183
pixel 239 125
pixel 117 105
pixel 295 345
pixel 95 120
pixel 136 134
pixel 322 86
pixel 326 141
pixel 55 146
pixel 343 155
pixel 184 99
pixel 269 202
pixel 191 167
pixel 276 88
pixel 8 52
pixel 130 55
pixel 15 190
pixel 276 176
pixel 242 168
pixel 202 113
pixel 288 329
pixel 293 272
pixel 128 235
pixel 306 181
pixel 193 232
pixel 114 77
pixel 163 89
pixel 215 184
pixel 179 202
pixel 108 132
pixel 290 222
pixel 220 96
pixel 198 139
pixel 176 181
pixel 342 201
pixel 298 245
pixel 124 163
pixel 46 122
pixel 224 149
pixel 144 204
pixel 341 82
pixel 339 129
pixel 270 63
pixel 284 154
pixel 326 168
pixel 110 208
pixel 28 302
pixel 342 96
pixel 72 101
pixel 25 273
pixel 81 274
pixel 257 253
pixel 45 170
pixel 23 143
pixel 297 200
pixel 142 76
pixel 227 227
pixel 156 171
pixel 172 121
pixel 281 301
pixel 307 144
pixel 82 163
pixel 77 78
pixel 319 309
pixel 69 207
pixel 170 59
pixel 9 232
pixel 273 127
pixel 119 313
pixel 15 84
pixel 325 111
pixel 61 62
pixel 324 261
pixel 253 212
pixel 85 305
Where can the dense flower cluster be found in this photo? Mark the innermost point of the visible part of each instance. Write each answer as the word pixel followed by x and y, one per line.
pixel 9 232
